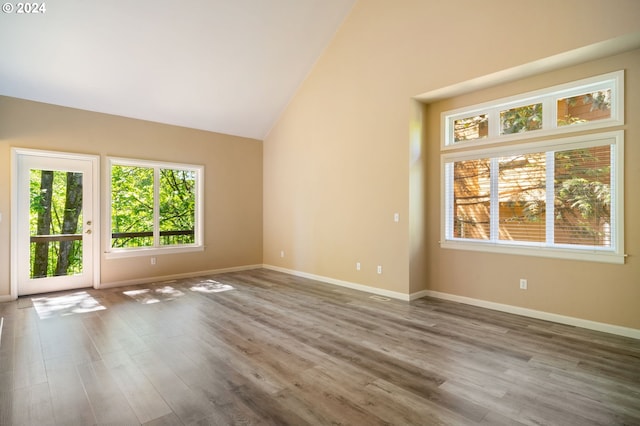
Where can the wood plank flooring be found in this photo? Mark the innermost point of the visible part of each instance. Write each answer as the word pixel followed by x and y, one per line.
pixel 264 348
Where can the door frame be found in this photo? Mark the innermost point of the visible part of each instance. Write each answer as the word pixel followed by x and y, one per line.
pixel 95 189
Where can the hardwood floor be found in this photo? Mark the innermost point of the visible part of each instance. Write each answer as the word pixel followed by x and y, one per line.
pixel 261 347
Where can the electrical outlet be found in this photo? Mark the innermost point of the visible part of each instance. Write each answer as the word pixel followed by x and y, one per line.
pixel 153 260
pixel 379 269
pixel 523 284
pixel 281 253
pixel 357 266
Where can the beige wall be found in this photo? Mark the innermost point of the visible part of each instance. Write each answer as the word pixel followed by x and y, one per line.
pixel 596 291
pixel 340 160
pixel 354 147
pixel 233 180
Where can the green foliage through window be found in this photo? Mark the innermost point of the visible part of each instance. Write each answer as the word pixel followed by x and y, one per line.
pixel 152 206
pixel 131 206
pixel 55 223
pixel 177 206
pixel 521 119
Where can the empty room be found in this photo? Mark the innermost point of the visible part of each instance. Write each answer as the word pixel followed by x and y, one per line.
pixel 310 212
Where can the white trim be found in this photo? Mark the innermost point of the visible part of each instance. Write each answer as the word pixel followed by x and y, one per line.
pixel 198 245
pixel 341 283
pixel 516 310
pixel 94 160
pixel 532 313
pixel 612 137
pixel 97 218
pixel 161 278
pixel 151 251
pixel 614 254
pixel 13 268
pixel 548 97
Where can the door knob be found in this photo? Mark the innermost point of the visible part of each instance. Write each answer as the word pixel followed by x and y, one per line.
pixel 88 231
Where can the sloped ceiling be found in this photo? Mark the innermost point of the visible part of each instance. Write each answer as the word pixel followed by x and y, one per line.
pixel 227 66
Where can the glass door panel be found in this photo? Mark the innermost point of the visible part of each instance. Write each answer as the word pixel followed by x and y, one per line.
pixel 55 223
pixel 55 242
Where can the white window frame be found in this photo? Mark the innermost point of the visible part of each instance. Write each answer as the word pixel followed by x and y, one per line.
pixel 549 98
pixel 552 138
pixel 198 244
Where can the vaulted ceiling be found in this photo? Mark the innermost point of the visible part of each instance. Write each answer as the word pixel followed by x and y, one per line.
pixel 228 66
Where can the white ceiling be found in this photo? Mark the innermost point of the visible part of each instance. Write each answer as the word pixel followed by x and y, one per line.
pixel 227 66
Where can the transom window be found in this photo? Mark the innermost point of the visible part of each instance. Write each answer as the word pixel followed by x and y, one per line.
pixel 582 105
pixel 154 206
pixel 557 197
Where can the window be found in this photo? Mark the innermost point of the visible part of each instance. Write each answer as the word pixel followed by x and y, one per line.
pixel 154 206
pixel 521 119
pixel 560 196
pixel 588 104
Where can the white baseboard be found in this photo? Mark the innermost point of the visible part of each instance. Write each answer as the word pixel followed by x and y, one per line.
pixel 341 283
pixel 532 313
pixel 148 280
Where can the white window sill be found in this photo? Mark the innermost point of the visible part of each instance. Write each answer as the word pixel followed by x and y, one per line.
pixel 151 251
pixel 592 255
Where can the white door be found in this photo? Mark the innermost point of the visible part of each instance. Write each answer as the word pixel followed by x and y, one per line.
pixel 54 236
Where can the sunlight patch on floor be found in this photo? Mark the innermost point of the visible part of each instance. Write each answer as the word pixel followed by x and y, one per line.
pixel 148 296
pixel 68 304
pixel 211 286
